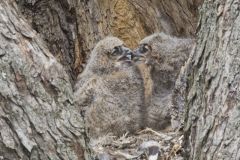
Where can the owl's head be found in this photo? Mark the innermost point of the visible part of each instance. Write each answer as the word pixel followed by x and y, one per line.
pixel 149 46
pixel 107 53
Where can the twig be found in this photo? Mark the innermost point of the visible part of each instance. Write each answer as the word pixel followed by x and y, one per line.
pixel 163 136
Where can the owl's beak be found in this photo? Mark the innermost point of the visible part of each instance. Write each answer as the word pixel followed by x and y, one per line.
pixel 126 56
pixel 138 55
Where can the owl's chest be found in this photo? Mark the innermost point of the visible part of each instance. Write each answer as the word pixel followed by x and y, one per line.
pixel 123 85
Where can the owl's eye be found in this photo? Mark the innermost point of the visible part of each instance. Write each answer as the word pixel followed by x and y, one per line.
pixel 144 48
pixel 117 50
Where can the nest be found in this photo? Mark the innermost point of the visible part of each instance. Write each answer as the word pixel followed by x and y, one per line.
pixel 146 144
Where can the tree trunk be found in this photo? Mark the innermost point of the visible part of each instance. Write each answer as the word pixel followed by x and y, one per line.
pixel 37 117
pixel 41 54
pixel 212 91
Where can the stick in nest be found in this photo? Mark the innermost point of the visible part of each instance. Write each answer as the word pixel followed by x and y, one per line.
pixel 161 135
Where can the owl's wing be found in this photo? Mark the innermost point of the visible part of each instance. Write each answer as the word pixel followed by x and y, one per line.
pixel 82 79
pixel 84 95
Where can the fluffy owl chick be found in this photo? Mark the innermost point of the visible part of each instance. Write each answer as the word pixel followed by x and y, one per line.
pixel 102 59
pixel 164 56
pixel 110 96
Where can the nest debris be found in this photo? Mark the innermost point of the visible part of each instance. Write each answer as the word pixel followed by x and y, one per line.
pixel 141 146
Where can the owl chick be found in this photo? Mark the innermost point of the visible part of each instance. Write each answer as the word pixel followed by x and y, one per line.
pixel 110 91
pixel 164 56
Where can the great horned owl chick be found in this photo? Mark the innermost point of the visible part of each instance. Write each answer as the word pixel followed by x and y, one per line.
pixel 110 91
pixel 164 56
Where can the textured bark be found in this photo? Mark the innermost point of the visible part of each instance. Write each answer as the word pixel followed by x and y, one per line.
pixel 37 117
pixel 56 22
pixel 212 84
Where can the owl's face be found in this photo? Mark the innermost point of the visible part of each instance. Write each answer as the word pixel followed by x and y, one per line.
pixel 121 53
pixel 113 49
pixel 142 52
pixel 122 57
pixel 107 54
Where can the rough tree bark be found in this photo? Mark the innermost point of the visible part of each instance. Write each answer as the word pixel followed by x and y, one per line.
pixel 37 117
pixel 212 106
